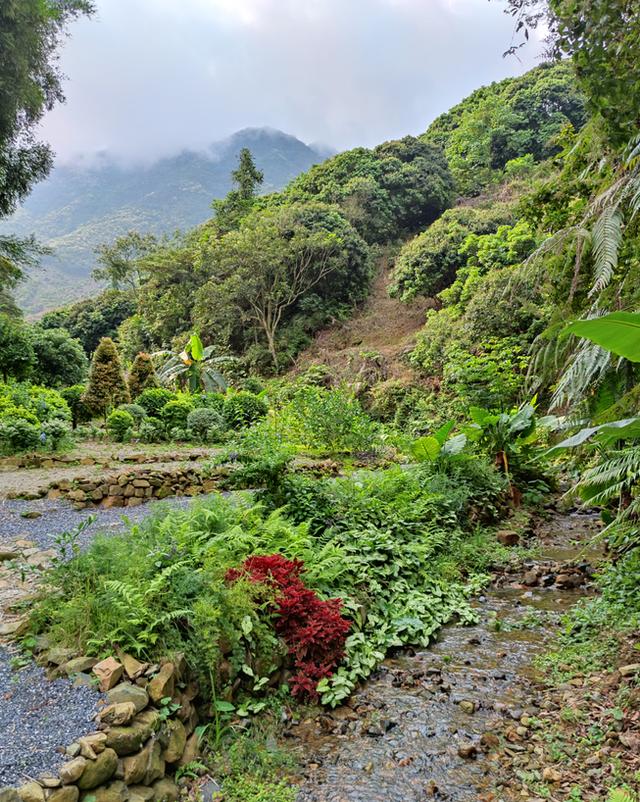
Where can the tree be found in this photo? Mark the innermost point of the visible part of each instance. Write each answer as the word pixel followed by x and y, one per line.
pixel 247 179
pixel 61 361
pixel 122 262
pixel 17 356
pixel 30 84
pixel 107 387
pixel 142 375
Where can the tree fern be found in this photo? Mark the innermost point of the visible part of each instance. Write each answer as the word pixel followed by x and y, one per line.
pixel 606 238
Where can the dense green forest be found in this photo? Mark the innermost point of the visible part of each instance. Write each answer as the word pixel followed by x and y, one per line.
pixel 377 507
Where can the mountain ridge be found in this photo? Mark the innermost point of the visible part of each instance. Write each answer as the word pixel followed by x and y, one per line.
pixel 79 207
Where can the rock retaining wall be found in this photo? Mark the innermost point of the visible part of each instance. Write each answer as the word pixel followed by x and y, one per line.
pixel 40 460
pixel 144 732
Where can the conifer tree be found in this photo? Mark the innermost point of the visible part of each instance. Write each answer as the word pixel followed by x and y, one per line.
pixel 107 387
pixel 142 375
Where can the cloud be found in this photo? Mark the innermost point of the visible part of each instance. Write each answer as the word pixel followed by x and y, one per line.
pixel 150 77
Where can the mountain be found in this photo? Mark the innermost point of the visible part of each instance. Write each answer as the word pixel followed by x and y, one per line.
pixel 79 207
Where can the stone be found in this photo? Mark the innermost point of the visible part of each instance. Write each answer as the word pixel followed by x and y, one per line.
pixel 467 751
pixel 507 537
pixel 72 770
pixel 551 775
pixel 126 692
pixel 69 793
pixel 31 792
pixel 8 554
pixel 92 745
pixel 77 495
pixel 140 793
pixel 132 668
pixel 31 515
pixel 98 771
pixel 467 706
pixel 115 490
pixel 108 672
pixel 144 766
pixel 73 750
pixel 49 781
pixel 530 578
pixel 9 795
pixel 14 628
pixel 489 740
pixel 629 670
pixel 191 750
pixel 87 461
pixel 140 483
pixel 116 714
pixel 129 739
pixel 163 684
pixel 79 665
pixel 165 790
pixel 41 559
pixel 59 655
pixel 113 501
pixel 177 740
pixel 135 502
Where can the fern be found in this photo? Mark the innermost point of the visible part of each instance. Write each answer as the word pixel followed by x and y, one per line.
pixel 620 795
pixel 606 238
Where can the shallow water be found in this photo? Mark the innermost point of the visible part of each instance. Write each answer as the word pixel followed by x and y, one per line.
pixel 399 738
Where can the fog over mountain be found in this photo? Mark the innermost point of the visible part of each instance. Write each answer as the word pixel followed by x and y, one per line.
pixel 82 205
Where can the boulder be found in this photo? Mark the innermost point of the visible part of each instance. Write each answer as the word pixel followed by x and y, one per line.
pixel 126 692
pixel 92 745
pixel 132 668
pixel 507 537
pixel 71 771
pixel 120 713
pixel 163 684
pixel 97 772
pixel 144 766
pixel 69 793
pixel 108 672
pixel 165 790
pixel 467 751
pixel 9 795
pixel 191 750
pixel 140 793
pixel 129 739
pixel 79 665
pixel 31 792
pixel 177 740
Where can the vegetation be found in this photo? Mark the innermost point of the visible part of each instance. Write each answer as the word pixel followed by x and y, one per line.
pixel 107 387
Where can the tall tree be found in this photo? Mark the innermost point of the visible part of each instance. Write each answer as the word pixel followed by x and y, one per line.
pixel 122 261
pixel 107 386
pixel 238 203
pixel 30 84
pixel 247 177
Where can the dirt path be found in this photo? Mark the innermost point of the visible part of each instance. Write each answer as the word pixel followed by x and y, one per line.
pixel 425 727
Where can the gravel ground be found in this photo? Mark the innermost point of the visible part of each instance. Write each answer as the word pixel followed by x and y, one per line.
pixel 59 516
pixel 38 718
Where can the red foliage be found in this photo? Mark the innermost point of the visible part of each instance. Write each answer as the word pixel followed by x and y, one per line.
pixel 312 628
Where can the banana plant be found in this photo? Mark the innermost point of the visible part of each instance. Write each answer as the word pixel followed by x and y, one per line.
pixel 434 446
pixel 193 368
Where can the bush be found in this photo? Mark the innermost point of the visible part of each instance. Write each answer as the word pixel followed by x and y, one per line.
pixel 142 375
pixel 107 387
pixel 80 413
pixel 54 432
pixel 151 430
pixel 174 414
pixel 243 408
pixel 136 411
pixel 36 403
pixel 18 434
pixel 206 424
pixel 153 400
pixel 119 425
pixel 213 401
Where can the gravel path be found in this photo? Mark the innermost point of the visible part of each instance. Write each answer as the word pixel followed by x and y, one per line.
pixel 38 718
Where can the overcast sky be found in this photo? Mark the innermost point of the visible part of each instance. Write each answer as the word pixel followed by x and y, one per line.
pixel 149 77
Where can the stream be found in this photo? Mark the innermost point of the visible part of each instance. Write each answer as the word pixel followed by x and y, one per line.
pixel 423 727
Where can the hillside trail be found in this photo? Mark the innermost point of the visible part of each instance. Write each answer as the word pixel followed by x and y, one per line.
pixel 424 726
pixel 382 331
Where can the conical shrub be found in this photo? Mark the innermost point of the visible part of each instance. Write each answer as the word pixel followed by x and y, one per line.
pixel 142 375
pixel 107 387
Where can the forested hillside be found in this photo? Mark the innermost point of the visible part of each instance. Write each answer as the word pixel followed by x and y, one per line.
pixel 80 207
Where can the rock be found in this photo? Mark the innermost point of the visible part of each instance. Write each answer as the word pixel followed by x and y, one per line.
pixel 132 668
pixel 120 713
pixel 163 684
pixel 177 740
pixel 191 751
pixel 629 670
pixel 116 792
pixel 135 502
pixel 8 554
pixel 551 775
pixel 73 750
pixel 72 770
pixel 49 781
pixel 9 795
pixel 113 501
pixel 98 771
pixel 126 692
pixel 467 751
pixel 129 739
pixel 489 740
pixel 140 793
pixel 92 745
pixel 69 793
pixel 31 515
pixel 165 790
pixel 508 538
pixel 145 766
pixel 467 706
pixel 14 628
pixel 31 792
pixel 59 655
pixel 79 665
pixel 530 578
pixel 108 672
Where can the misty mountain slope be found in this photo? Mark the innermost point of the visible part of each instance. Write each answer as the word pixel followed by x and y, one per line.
pixel 77 208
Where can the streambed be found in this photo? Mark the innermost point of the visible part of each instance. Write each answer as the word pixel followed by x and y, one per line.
pixel 424 726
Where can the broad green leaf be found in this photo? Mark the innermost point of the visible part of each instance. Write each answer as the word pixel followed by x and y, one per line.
pixel 615 430
pixel 455 445
pixel 618 332
pixel 426 449
pixel 196 349
pixel 443 432
pixel 224 707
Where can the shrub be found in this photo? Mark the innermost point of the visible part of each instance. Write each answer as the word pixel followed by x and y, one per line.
pixel 142 375
pixel 41 403
pixel 18 434
pixel 119 425
pixel 205 423
pixel 213 401
pixel 107 387
pixel 79 410
pixel 151 430
pixel 136 411
pixel 54 432
pixel 312 628
pixel 243 408
pixel 60 358
pixel 153 400
pixel 175 413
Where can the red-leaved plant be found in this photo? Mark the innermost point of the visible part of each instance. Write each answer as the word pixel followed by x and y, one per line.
pixel 312 628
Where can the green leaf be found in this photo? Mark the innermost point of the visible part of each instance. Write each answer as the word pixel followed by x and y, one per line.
pixel 606 432
pixel 443 432
pixel 426 449
pixel 224 707
pixel 246 625
pixel 618 332
pixel 196 349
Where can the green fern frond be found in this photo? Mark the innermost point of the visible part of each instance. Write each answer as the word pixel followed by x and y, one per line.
pixel 607 238
pixel 587 365
pixel 620 795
